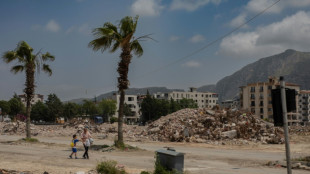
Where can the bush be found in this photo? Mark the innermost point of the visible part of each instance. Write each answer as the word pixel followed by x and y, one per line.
pixel 145 172
pixel 113 119
pixel 32 140
pixel 109 167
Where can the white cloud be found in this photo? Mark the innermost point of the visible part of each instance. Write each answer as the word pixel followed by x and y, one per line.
pixel 192 64
pixel 239 20
pixel 174 38
pixel 52 26
pixel 147 7
pixel 292 32
pixel 191 5
pixel 197 38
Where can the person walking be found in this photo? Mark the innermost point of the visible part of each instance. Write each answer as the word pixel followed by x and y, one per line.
pixel 85 137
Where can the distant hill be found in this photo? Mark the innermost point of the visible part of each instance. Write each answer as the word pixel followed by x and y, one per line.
pixel 130 91
pixel 293 65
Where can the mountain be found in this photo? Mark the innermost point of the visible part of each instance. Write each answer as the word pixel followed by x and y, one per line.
pixel 293 65
pixel 130 91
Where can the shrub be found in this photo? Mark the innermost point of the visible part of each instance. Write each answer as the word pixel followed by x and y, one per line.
pixel 109 167
pixel 113 119
pixel 145 172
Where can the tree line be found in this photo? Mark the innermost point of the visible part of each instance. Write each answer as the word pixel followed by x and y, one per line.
pixel 53 108
pixel 153 109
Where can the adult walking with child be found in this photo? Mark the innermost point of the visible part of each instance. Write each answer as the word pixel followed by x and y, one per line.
pixel 85 137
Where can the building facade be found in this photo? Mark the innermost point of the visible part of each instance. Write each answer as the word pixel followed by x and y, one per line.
pixel 203 99
pixel 304 106
pixel 36 98
pixel 256 97
pixel 132 102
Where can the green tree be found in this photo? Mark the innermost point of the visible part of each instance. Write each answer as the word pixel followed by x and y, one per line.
pixel 187 103
pixel 174 106
pixel 30 63
pixel 5 107
pixel 16 106
pixel 54 107
pixel 70 110
pixel 112 37
pixel 39 111
pixel 107 107
pixel 89 107
pixel 127 110
pixel 147 106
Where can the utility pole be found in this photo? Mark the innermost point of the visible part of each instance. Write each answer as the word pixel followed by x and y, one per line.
pixel 285 126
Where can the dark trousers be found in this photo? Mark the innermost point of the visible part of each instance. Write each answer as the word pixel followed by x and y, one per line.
pixel 86 152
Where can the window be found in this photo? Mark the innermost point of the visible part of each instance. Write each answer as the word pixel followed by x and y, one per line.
pixel 252 110
pixel 269 87
pixel 269 109
pixel 261 110
pixel 196 95
pixel 253 89
pixel 261 96
pixel 213 101
pixel 202 101
pixel 177 95
pixel 261 89
pixel 261 103
pixel 201 95
pixel 252 96
pixel 131 98
pixel 261 116
pixel 252 103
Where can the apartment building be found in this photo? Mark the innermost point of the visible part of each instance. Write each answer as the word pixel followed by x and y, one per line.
pixel 203 99
pixel 132 102
pixel 304 106
pixel 256 97
pixel 36 98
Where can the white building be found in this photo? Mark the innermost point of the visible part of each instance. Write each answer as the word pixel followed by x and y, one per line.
pixel 203 99
pixel 304 106
pixel 132 102
pixel 36 98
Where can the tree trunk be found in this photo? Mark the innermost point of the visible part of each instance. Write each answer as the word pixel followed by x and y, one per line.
pixel 29 90
pixel 123 84
pixel 121 117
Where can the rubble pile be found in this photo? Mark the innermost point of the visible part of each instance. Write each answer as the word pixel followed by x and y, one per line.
pixel 300 130
pixel 202 126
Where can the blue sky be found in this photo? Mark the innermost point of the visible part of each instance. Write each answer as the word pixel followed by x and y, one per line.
pixel 180 27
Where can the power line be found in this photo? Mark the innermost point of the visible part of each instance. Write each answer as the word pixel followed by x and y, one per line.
pixel 211 43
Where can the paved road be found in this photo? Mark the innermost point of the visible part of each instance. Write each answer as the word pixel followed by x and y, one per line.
pixel 51 155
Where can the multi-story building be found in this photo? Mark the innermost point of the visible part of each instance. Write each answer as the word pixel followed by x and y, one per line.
pixel 203 99
pixel 36 98
pixel 304 106
pixel 132 102
pixel 256 97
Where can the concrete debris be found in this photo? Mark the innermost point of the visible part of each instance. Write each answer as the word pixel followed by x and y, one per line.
pixel 202 126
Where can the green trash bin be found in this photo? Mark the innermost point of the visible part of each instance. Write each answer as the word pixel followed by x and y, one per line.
pixel 170 159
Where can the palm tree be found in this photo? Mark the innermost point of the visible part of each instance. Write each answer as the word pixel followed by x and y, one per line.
pixel 112 37
pixel 30 63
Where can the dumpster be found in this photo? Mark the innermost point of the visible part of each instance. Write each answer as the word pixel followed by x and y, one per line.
pixel 170 159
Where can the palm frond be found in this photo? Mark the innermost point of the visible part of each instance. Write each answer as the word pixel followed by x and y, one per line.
pixel 148 36
pixel 46 68
pixel 24 50
pixel 47 57
pixel 9 56
pixel 115 47
pixel 136 48
pixel 127 26
pixel 17 68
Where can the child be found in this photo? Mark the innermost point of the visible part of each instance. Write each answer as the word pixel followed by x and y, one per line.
pixel 74 141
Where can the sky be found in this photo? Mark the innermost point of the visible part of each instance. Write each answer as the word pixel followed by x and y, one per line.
pixel 179 28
